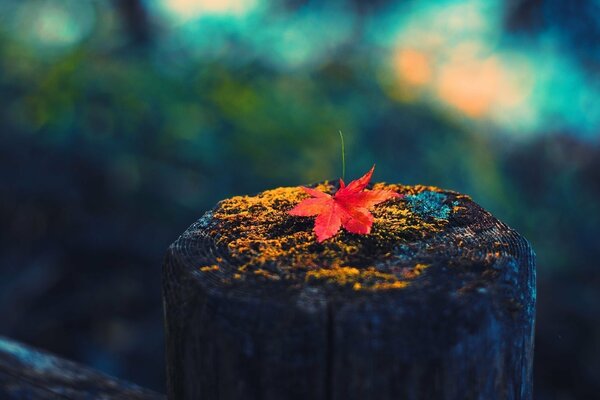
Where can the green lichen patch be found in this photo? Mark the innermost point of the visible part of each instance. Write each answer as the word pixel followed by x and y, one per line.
pixel 430 204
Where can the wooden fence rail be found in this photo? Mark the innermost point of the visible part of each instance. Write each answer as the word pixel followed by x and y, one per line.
pixel 28 373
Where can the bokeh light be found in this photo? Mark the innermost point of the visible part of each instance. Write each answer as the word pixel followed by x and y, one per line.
pixel 186 10
pixel 53 24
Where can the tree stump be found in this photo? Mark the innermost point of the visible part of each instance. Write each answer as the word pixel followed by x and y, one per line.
pixel 437 302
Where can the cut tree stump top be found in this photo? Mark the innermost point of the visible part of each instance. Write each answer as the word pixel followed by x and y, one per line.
pixel 438 301
pixel 432 239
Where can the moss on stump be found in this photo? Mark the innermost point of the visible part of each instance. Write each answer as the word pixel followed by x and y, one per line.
pixel 436 302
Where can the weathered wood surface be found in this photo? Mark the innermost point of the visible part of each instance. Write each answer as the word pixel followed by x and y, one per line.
pixel 27 373
pixel 437 303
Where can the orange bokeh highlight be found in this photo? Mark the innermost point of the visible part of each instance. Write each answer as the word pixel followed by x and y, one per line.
pixel 470 87
pixel 476 86
pixel 193 8
pixel 413 67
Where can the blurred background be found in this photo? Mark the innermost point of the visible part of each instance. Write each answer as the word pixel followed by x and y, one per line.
pixel 122 121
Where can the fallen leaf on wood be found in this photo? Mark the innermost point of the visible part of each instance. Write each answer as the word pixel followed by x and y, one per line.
pixel 348 207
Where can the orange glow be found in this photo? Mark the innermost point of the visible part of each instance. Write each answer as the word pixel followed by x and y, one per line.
pixel 475 86
pixel 413 67
pixel 193 8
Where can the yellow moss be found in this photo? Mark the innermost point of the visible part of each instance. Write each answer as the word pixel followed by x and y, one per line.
pixel 372 273
pixel 407 190
pixel 456 209
pixel 415 271
pixel 257 230
pixel 360 279
pixel 419 268
pixel 389 285
pixel 208 268
pixel 339 275
pixel 266 274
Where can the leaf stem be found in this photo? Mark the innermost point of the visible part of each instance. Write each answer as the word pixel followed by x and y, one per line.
pixel 343 156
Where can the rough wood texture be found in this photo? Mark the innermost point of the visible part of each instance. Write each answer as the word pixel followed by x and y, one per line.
pixel 438 302
pixel 26 373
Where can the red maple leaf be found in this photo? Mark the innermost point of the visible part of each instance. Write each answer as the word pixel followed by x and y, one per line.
pixel 348 207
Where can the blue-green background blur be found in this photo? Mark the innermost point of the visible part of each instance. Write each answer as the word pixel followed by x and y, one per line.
pixel 122 121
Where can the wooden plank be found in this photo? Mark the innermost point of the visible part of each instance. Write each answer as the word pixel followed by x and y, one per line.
pixel 28 373
pixel 438 302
